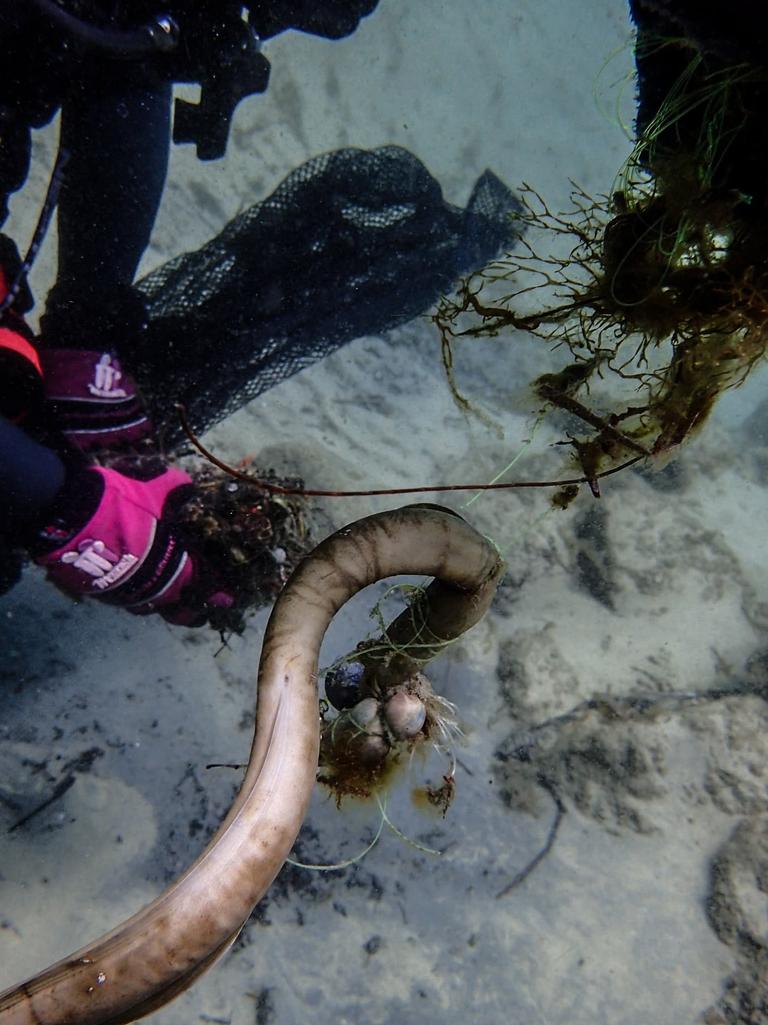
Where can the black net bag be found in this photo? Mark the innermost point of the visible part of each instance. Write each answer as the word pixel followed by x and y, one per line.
pixel 351 243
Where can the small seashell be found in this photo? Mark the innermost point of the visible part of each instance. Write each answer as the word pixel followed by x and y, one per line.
pixel 342 685
pixel 405 714
pixel 373 749
pixel 365 714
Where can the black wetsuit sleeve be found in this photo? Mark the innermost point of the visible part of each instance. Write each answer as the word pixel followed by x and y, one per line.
pixel 31 476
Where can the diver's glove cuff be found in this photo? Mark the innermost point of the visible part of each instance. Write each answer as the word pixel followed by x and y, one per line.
pixel 94 401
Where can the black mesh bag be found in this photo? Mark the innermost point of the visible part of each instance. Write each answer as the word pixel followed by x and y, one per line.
pixel 352 242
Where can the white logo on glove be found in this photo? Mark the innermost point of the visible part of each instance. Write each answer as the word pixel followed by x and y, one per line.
pixel 99 562
pixel 106 380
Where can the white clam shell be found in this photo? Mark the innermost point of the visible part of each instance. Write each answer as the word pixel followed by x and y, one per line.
pixel 405 714
pixel 365 712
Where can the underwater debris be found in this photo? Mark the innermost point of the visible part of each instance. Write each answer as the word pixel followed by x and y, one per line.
pixel 387 709
pixel 438 796
pixel 659 289
pixel 674 328
pixel 254 537
pixel 362 748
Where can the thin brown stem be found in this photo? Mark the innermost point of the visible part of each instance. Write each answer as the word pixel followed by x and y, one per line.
pixel 278 489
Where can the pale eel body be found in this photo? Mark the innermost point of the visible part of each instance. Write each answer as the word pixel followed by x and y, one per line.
pixel 146 961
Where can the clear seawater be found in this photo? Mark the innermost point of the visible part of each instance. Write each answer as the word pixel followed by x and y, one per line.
pixel 649 906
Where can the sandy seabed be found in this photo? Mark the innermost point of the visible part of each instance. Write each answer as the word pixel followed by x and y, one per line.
pixel 622 671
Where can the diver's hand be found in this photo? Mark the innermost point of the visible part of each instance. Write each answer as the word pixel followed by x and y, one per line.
pixel 125 549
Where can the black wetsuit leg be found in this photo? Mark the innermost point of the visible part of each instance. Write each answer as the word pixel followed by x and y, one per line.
pixel 115 126
pixel 117 133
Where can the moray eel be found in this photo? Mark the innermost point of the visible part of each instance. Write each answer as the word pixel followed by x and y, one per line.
pixel 159 952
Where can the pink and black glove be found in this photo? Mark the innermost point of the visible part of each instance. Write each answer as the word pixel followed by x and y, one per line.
pixel 91 395
pixel 127 551
pixel 95 402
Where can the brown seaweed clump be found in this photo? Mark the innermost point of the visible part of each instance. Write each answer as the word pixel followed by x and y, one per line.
pixel 659 290
pixel 253 537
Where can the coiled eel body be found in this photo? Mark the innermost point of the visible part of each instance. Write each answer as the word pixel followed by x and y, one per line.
pixel 159 952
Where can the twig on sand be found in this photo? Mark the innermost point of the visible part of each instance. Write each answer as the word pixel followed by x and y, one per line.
pixel 58 791
pixel 534 862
